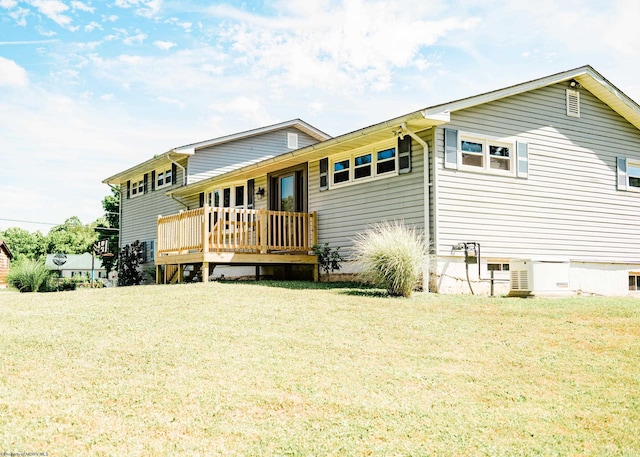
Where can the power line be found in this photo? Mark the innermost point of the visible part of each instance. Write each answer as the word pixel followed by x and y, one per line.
pixel 27 222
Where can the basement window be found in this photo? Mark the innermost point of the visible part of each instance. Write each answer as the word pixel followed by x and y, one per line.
pixel 497 266
pixel 634 281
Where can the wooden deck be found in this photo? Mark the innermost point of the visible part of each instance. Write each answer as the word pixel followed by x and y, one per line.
pixel 232 236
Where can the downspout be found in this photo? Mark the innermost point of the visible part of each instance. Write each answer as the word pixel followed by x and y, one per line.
pixel 184 170
pixel 175 199
pixel 184 179
pixel 427 193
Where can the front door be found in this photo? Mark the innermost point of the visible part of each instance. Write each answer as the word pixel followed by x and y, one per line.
pixel 288 191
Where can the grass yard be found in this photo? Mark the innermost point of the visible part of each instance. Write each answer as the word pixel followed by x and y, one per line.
pixel 298 369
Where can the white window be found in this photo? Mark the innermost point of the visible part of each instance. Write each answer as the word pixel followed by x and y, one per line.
pixel 485 154
pixel 628 174
pixel 163 178
pixel 363 164
pixel 137 187
pixel 228 197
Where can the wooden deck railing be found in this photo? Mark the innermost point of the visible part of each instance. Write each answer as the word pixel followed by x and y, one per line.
pixel 236 230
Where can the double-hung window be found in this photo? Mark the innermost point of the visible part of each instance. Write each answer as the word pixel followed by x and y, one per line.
pixel 483 154
pixel 137 187
pixel 628 174
pixel 164 177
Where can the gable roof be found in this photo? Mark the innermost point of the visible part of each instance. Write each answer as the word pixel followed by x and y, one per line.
pixel 74 262
pixel 426 118
pixel 181 152
pixel 5 248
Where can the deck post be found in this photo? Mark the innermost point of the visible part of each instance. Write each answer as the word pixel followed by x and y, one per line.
pixel 205 229
pixel 264 223
pixel 158 271
pixel 314 239
pixel 205 271
pixel 180 231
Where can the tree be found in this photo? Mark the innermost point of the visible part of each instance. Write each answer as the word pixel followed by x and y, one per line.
pixel 109 227
pixel 24 244
pixel 129 273
pixel 72 237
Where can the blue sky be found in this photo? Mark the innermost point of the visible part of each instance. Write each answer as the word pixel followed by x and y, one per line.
pixel 90 88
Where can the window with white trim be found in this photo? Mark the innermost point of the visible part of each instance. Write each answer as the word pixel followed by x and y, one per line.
pixel 234 196
pixel 164 177
pixel 484 154
pixel 137 187
pixel 634 281
pixel 628 174
pixel 362 164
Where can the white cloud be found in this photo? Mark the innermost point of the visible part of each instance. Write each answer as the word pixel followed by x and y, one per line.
pixel 82 7
pixel 53 9
pixel 250 109
pixel 110 18
pixel 20 16
pixel 138 38
pixel 172 101
pixel 12 74
pixel 164 45
pixel 343 47
pixel 91 26
pixel 8 4
pixel 145 8
pixel 107 97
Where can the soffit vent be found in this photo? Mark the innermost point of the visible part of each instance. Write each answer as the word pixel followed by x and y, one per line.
pixel 573 103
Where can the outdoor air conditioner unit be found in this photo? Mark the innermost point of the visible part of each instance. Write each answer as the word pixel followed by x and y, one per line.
pixel 548 277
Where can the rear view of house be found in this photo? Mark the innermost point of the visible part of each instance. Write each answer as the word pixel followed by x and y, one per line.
pixel 530 189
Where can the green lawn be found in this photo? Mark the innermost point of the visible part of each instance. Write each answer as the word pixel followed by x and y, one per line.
pixel 302 369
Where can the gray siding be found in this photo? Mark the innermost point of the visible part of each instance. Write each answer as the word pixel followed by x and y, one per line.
pixel 139 214
pixel 216 160
pixel 345 211
pixel 568 207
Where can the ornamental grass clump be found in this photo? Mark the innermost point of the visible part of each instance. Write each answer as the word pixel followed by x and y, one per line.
pixel 391 255
pixel 28 275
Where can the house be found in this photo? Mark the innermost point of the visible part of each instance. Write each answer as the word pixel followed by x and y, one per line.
pixel 530 189
pixel 148 190
pixel 80 266
pixel 533 188
pixel 5 258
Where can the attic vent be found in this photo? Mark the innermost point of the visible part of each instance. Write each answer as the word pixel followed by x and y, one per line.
pixel 292 140
pixel 573 103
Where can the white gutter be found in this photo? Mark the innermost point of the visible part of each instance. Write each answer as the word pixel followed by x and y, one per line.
pixel 427 192
pixel 184 170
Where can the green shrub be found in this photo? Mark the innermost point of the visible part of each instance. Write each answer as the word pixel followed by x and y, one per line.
pixel 28 275
pixel 391 255
pixel 328 259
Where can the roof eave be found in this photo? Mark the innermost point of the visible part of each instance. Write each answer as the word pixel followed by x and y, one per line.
pixel 144 167
pixel 417 121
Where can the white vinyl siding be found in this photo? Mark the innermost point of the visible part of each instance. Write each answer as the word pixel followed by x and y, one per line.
pixel 344 211
pixel 568 207
pixel 222 158
pixel 139 215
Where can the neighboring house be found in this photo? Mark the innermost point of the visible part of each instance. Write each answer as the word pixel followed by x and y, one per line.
pixel 5 258
pixel 148 190
pixel 541 179
pixel 80 266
